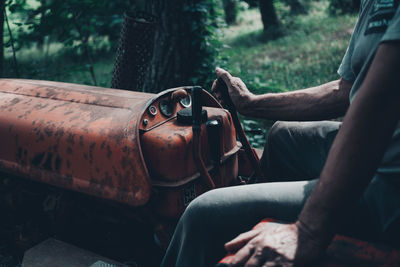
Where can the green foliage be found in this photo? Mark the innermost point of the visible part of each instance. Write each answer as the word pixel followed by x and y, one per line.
pixel 84 28
pixel 204 36
pixel 72 22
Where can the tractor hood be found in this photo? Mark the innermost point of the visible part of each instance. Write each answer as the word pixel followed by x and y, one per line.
pixel 77 137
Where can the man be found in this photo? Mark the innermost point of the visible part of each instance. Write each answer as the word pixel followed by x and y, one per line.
pixel 358 190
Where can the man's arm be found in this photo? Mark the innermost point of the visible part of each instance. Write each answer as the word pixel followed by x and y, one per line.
pixel 326 101
pixel 360 144
pixel 352 161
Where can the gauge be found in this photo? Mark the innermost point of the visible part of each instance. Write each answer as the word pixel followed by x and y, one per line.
pixel 166 108
pixel 186 102
pixel 153 110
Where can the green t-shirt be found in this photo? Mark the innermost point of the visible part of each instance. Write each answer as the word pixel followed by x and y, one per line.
pixel 379 21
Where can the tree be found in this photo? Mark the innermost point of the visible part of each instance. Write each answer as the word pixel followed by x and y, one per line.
pixel 252 3
pixel 184 49
pixel 344 6
pixel 296 7
pixel 230 8
pixel 269 19
pixel 2 9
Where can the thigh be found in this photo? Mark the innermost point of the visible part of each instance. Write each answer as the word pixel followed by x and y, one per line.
pixel 297 150
pixel 220 215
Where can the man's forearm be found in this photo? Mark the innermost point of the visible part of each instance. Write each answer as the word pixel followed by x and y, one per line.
pixel 359 146
pixel 326 101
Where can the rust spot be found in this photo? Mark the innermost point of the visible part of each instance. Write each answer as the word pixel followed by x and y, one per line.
pixel 14 101
pixel 102 144
pixel 59 132
pixel 57 163
pixel 109 152
pixel 71 138
pixel 47 163
pixel 37 160
pixel 48 131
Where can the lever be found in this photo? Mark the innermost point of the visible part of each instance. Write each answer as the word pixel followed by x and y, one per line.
pixel 197 106
pixel 197 109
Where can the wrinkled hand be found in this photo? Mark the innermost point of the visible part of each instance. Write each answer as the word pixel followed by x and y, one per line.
pixel 240 95
pixel 274 244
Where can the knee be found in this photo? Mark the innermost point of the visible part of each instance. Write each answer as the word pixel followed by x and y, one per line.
pixel 276 137
pixel 274 144
pixel 199 210
pixel 277 130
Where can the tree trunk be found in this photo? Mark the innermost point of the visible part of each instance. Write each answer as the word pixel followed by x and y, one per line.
pixel 230 8
pixel 179 54
pixel 269 18
pixel 356 5
pixel 2 8
pixel 252 3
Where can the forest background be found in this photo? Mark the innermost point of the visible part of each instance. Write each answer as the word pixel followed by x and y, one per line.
pixel 274 46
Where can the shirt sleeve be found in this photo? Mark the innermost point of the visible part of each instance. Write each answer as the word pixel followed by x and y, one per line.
pixel 345 71
pixel 393 31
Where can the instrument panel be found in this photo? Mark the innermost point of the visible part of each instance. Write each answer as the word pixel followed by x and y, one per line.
pixel 165 107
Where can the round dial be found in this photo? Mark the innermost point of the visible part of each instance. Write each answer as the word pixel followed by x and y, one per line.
pixel 153 110
pixel 186 102
pixel 166 108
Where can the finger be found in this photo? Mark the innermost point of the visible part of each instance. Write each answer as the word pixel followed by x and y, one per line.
pixel 218 96
pixel 223 74
pixel 214 86
pixel 240 240
pixel 259 256
pixel 279 261
pixel 243 255
pixel 265 257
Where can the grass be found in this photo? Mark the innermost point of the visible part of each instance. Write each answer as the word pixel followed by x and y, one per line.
pixel 308 54
pixel 55 64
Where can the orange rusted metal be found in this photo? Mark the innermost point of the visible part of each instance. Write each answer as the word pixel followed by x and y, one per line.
pixel 74 136
pixel 90 139
pixel 167 146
